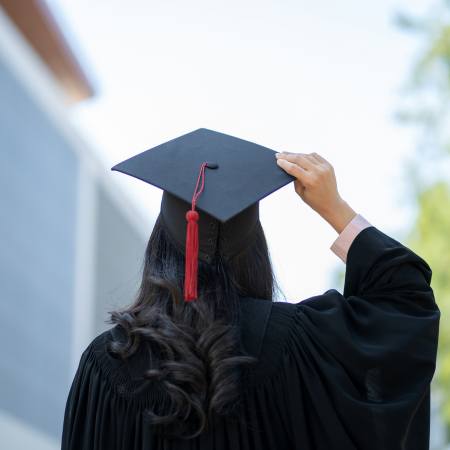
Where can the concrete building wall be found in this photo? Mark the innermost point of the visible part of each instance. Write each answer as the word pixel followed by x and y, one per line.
pixel 38 186
pixel 119 258
pixel 71 247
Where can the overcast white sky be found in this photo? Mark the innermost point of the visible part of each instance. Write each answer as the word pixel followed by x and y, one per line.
pixel 303 76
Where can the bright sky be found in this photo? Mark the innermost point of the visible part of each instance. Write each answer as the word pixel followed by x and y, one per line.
pixel 304 76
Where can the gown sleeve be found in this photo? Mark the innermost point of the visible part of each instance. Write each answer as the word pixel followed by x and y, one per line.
pixel 366 358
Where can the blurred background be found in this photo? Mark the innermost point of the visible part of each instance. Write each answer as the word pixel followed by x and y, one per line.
pixel 86 84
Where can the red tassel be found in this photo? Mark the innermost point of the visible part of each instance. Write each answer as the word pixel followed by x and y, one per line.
pixel 191 261
pixel 191 265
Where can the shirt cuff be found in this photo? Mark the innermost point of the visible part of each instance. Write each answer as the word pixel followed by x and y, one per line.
pixel 343 242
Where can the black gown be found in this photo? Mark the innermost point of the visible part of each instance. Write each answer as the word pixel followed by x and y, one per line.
pixel 345 372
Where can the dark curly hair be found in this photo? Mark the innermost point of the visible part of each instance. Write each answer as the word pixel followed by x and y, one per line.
pixel 197 342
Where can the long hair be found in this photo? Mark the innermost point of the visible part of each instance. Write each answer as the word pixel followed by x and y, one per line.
pixel 197 342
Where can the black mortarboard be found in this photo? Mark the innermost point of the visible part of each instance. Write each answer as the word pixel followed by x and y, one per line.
pixel 231 175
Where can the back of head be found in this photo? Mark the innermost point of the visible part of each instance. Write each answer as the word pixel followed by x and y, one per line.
pixel 197 342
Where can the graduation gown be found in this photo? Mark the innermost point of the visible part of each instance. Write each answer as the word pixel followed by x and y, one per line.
pixel 347 371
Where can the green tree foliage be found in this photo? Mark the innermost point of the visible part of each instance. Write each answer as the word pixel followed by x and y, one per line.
pixel 430 237
pixel 428 108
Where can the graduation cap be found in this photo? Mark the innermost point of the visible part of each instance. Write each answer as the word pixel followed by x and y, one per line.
pixel 221 176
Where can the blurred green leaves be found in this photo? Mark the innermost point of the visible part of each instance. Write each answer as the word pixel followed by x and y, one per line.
pixel 428 109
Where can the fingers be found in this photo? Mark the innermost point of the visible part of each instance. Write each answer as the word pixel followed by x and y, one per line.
pixel 292 169
pixel 320 158
pixel 307 168
pixel 307 162
pixel 316 157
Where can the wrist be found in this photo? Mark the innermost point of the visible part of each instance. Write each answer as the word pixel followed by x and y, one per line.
pixel 340 215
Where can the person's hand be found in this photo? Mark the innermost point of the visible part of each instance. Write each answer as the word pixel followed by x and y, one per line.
pixel 316 185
